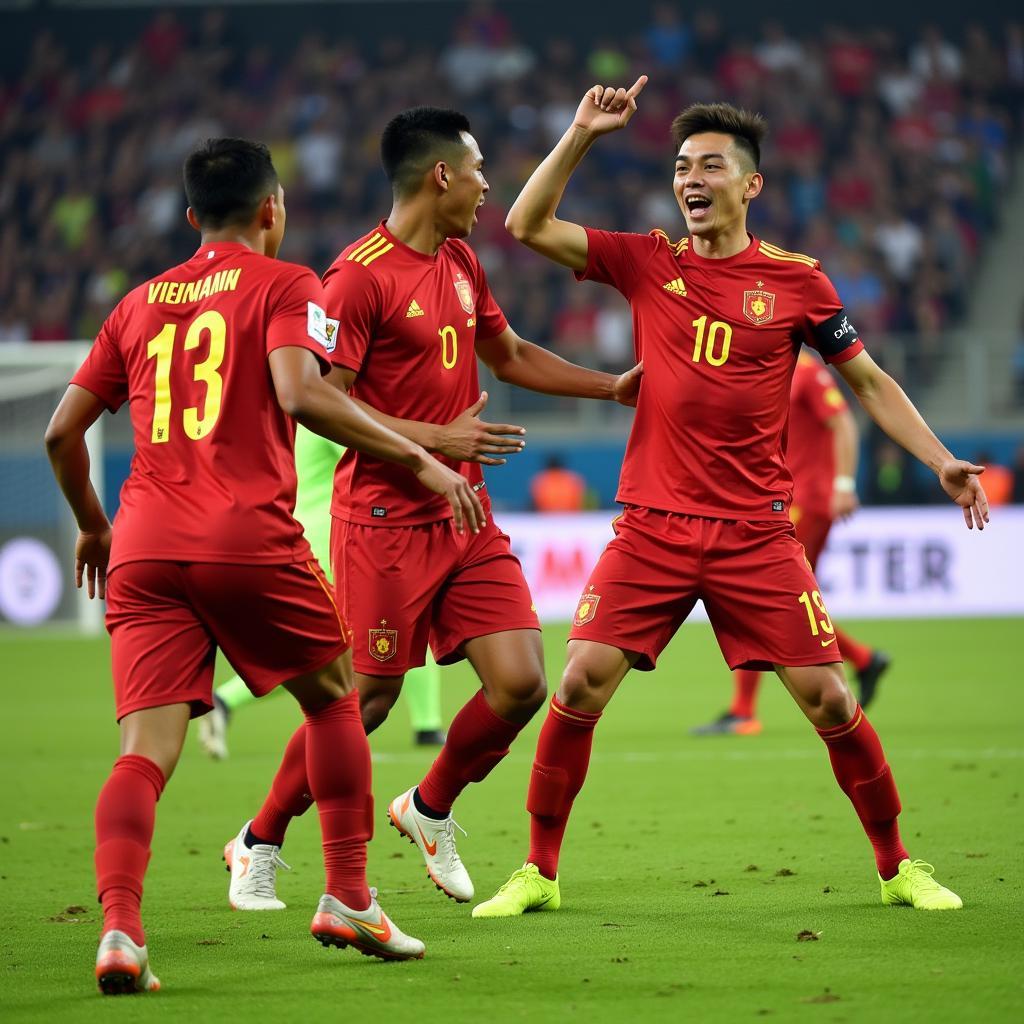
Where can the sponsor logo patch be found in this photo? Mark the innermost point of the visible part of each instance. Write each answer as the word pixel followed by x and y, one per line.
pixel 414 310
pixel 316 326
pixel 676 287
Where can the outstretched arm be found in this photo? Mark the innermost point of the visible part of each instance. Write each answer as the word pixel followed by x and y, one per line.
pixel 306 396
pixel 519 362
pixel 887 404
pixel 532 218
pixel 466 438
pixel 65 445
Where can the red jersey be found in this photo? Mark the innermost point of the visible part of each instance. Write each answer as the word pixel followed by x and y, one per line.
pixel 407 323
pixel 719 340
pixel 810 450
pixel 213 475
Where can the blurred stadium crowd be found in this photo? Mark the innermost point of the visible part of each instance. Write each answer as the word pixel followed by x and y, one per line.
pixel 886 156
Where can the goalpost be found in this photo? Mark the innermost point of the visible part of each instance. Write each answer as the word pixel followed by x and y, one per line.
pixel 37 530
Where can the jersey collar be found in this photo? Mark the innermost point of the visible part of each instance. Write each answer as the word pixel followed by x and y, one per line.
pixel 400 246
pixel 222 247
pixel 741 257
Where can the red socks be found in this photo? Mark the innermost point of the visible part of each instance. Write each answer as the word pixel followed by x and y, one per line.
pixel 338 769
pixel 857 654
pixel 858 762
pixel 289 795
pixel 125 815
pixel 559 770
pixel 477 740
pixel 745 693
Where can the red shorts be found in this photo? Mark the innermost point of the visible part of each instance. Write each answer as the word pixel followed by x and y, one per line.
pixel 402 586
pixel 812 531
pixel 756 584
pixel 167 619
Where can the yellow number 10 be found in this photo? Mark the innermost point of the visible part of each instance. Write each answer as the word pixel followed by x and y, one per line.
pixel 162 349
pixel 449 347
pixel 718 329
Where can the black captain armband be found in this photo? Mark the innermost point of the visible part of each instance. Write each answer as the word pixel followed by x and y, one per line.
pixel 834 335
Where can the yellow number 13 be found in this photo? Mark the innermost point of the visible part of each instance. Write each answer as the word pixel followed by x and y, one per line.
pixel 162 349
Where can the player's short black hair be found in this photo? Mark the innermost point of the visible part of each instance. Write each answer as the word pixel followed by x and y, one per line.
pixel 414 140
pixel 227 179
pixel 746 128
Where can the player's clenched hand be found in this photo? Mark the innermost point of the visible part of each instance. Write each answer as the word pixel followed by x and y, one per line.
pixel 626 388
pixel 960 481
pixel 92 552
pixel 469 439
pixel 606 109
pixel 466 507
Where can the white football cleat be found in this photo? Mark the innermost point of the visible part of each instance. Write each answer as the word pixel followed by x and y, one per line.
pixel 213 731
pixel 253 870
pixel 122 968
pixel 436 840
pixel 370 931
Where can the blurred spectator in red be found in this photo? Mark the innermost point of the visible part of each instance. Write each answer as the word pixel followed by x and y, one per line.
pixel 851 63
pixel 557 489
pixel 163 40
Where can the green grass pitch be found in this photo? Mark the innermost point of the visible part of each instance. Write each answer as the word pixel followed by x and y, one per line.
pixel 689 869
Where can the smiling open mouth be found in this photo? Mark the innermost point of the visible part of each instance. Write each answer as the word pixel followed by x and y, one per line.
pixel 696 203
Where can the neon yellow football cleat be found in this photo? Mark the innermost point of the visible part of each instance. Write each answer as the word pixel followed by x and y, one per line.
pixel 915 887
pixel 525 891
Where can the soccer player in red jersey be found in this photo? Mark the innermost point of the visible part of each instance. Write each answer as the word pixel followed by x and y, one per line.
pixel 821 454
pixel 214 357
pixel 718 319
pixel 411 310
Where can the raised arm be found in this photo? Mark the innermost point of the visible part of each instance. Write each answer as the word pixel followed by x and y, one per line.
pixel 306 396
pixel 532 218
pixel 887 404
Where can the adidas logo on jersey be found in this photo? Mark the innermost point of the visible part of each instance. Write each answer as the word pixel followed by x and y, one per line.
pixel 414 310
pixel 676 287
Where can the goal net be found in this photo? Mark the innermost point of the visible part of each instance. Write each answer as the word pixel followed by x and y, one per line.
pixel 37 530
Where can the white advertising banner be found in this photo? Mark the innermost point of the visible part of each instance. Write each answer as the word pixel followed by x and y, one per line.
pixel 882 563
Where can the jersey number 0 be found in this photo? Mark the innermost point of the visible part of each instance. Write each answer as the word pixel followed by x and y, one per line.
pixel 162 349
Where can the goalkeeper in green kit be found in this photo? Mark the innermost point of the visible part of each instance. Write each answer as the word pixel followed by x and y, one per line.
pixel 315 460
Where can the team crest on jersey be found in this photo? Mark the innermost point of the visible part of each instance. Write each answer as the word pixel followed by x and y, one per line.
pixel 465 293
pixel 383 642
pixel 758 306
pixel 587 608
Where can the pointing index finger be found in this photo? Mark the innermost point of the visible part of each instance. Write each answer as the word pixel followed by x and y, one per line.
pixel 637 87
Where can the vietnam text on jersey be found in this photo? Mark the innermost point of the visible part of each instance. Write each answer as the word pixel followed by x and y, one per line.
pixel 213 476
pixel 719 339
pixel 407 323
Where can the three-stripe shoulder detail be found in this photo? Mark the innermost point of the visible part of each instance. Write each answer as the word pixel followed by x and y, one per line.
pixel 676 247
pixel 370 249
pixel 773 252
